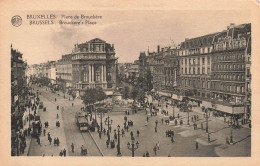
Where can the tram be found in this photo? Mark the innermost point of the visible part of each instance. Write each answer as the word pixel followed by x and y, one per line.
pixel 82 123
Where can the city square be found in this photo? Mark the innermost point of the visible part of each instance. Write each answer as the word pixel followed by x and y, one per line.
pixel 187 100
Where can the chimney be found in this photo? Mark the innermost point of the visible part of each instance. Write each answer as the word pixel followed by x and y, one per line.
pixel 158 48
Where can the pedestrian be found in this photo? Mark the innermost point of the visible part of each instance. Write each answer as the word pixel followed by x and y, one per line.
pixel 131 133
pixel 58 141
pixel 72 148
pixel 147 118
pixel 172 139
pixel 99 134
pixel 208 138
pixel 156 123
pixel 197 145
pixel 155 150
pixel 178 116
pixel 147 154
pixel 158 146
pixel 57 116
pixel 162 120
pixel 54 141
pixel 44 131
pixel 64 152
pixel 107 143
pixel 72 104
pixel 137 132
pixel 127 128
pixel 61 153
pixel 50 140
pixel 155 129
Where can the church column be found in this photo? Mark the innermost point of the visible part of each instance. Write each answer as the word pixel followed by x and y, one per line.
pixel 93 73
pixel 102 73
pixel 105 73
pixel 89 73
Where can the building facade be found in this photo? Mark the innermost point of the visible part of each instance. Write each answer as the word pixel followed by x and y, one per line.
pixel 195 66
pixel 91 64
pixel 230 78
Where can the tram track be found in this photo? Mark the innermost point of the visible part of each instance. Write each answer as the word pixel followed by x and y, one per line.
pixel 93 142
pixel 87 138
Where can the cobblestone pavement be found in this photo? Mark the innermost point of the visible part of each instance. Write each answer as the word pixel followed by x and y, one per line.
pixel 185 136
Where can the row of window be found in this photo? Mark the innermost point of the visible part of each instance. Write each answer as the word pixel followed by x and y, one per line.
pixel 195 51
pixel 228 67
pixel 196 61
pixel 238 57
pixel 195 83
pixel 229 77
pixel 228 88
pixel 195 70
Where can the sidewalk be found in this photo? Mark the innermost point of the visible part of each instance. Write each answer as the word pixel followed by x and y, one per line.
pixel 45 149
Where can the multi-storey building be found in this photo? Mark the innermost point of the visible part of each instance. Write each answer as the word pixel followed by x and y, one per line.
pixel 18 98
pixel 91 64
pixel 230 78
pixel 64 70
pixel 195 57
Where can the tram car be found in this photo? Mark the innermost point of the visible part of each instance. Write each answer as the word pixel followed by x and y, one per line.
pixel 82 124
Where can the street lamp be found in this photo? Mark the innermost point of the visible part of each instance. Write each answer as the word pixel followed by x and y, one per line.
pixel 100 115
pixel 108 122
pixel 118 144
pixel 173 114
pixel 134 146
pixel 207 121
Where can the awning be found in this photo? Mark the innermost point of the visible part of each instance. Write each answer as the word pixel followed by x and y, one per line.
pixel 224 108
pixel 164 94
pixel 109 93
pixel 175 97
pixel 231 109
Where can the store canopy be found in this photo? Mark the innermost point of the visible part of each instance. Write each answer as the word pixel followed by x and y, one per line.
pixel 175 97
pixel 232 109
pixel 167 94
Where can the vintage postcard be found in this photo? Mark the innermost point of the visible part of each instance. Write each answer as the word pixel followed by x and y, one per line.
pixel 115 82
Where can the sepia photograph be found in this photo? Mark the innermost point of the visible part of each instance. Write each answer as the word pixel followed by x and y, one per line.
pixel 129 83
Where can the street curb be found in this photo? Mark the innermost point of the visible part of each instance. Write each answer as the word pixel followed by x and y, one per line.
pixel 96 143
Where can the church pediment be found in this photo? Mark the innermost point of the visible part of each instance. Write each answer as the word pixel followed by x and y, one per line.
pixel 96 40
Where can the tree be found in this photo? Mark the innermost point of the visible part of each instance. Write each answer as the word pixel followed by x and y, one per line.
pixel 93 95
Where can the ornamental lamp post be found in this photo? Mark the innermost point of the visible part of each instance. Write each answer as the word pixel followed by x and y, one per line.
pixel 134 146
pixel 118 143
pixel 207 121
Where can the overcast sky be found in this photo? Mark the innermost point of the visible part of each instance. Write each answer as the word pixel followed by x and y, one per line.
pixel 129 31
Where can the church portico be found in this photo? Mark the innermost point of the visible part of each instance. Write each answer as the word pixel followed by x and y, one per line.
pixel 93 65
